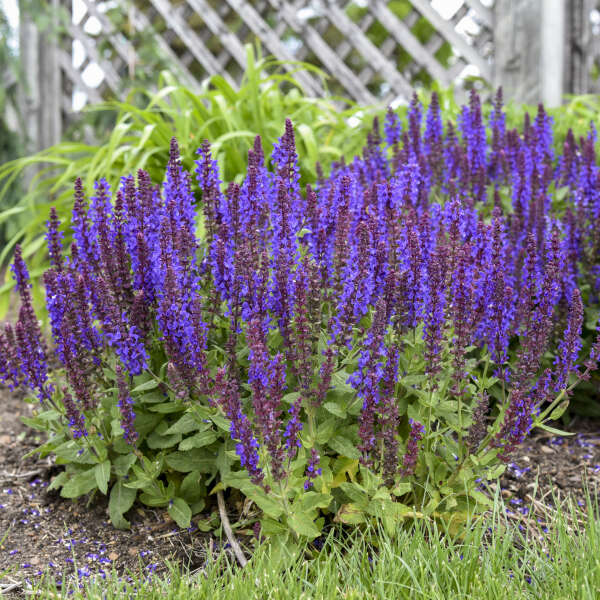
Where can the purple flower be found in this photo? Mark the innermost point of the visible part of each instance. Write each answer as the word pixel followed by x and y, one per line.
pixel 415 435
pixel 312 470
pixel 125 404
pixel 570 344
pixel 240 427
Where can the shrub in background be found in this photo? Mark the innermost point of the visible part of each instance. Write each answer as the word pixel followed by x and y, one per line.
pixel 331 353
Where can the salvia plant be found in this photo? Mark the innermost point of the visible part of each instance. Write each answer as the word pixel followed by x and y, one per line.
pixel 371 347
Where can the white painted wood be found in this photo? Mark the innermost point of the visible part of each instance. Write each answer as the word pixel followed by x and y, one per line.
pixel 552 61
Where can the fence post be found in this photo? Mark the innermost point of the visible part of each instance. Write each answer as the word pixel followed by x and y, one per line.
pixel 41 94
pixel 552 64
pixel 517 48
pixel 529 47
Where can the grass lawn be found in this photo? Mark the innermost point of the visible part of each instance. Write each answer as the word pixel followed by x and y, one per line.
pixel 499 557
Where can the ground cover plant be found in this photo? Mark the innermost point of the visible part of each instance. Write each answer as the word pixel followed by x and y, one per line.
pixel 330 353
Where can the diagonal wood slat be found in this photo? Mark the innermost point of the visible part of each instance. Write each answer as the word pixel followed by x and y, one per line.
pixel 191 40
pixel 448 31
pixel 368 50
pixel 342 37
pixel 349 80
pixel 410 43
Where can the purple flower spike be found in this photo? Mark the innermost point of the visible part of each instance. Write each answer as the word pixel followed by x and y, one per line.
pixel 53 238
pixel 312 470
pixel 125 404
pixel 570 344
pixel 409 462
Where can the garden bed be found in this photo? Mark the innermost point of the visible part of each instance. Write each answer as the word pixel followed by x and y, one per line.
pixel 45 532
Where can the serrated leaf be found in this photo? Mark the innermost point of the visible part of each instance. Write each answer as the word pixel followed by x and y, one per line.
pixel 180 511
pixel 146 386
pixel 355 492
pixel 58 481
pixel 480 498
pixel 221 422
pixel 402 488
pixel 192 488
pixel 351 514
pixel 196 459
pixel 201 439
pixel 102 474
pixel 157 441
pixel 343 446
pixel 79 484
pixel 271 527
pixel 186 424
pixel 268 505
pixel 311 500
pixel 303 525
pixel 496 471
pixel 121 500
pixel 145 422
pixel 344 467
pixel 335 409
pixel 122 464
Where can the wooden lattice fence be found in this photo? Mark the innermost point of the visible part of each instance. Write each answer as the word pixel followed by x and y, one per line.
pixel 372 50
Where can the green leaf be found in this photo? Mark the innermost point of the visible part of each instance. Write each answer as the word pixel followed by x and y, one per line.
pixel 311 500
pixel 144 387
pixel 402 488
pixel 355 492
pixel 180 512
pixel 496 471
pixel 351 513
pixel 122 464
pixel 203 438
pixel 271 527
pixel 335 409
pixel 480 498
pixel 192 488
pixel 186 424
pixel 343 446
pixel 558 412
pixel 553 430
pixel 156 440
pixel 303 525
pixel 268 505
pixel 102 474
pixel 326 429
pixel 58 481
pixel 80 484
pixel 121 500
pixel 146 422
pixel 166 407
pixel 192 460
pixel 221 422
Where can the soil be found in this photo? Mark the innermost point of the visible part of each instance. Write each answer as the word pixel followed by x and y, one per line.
pixel 42 532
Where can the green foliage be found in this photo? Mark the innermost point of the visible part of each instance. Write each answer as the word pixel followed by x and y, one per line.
pixel 185 452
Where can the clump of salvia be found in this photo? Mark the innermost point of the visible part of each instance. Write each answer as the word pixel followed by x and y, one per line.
pixel 354 286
